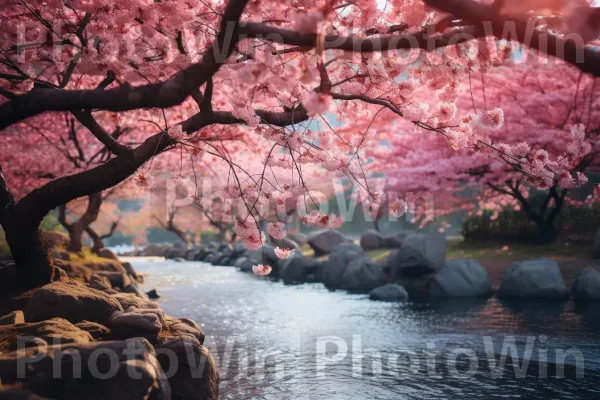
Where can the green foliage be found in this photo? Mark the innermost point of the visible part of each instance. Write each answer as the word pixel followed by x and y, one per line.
pixel 50 223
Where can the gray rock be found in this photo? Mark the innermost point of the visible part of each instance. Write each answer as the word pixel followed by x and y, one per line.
pixel 299 238
pixel 597 246
pixel 153 294
pixel 335 266
pixel 244 264
pixel 298 269
pixel 323 241
pixel 153 250
pixel 420 254
pixel 362 275
pixel 71 301
pixel 587 285
pixel 461 278
pixel 372 240
pixel 389 292
pixel 533 279
pixel 394 241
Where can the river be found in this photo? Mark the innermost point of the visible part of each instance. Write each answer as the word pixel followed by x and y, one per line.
pixel 273 341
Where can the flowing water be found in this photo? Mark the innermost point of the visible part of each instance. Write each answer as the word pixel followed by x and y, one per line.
pixel 273 341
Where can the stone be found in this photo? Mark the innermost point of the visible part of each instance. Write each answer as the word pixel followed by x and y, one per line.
pixel 52 331
pixel 134 289
pixel 420 254
pixel 107 253
pixel 196 375
pixel 244 264
pixel 180 328
pixel 372 240
pixel 71 301
pixel 135 323
pixel 130 271
pixel 60 255
pixel 587 285
pixel 597 246
pixel 335 266
pixel 99 282
pixel 362 275
pixel 390 292
pixel 395 240
pixel 323 241
pixel 96 330
pixel 299 238
pixel 117 370
pixel 153 294
pixel 15 317
pixel 127 300
pixel 461 278
pixel 298 269
pixel 533 279
pixel 56 239
pixel 152 250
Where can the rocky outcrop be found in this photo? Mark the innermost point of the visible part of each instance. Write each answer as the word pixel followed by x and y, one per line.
pixel 134 322
pixel 362 275
pixel 107 253
pixel 335 266
pixel 51 331
pixel 587 285
pixel 15 317
pixel 372 240
pixel 395 240
pixel 71 301
pixel 533 279
pixel 420 254
pixel 390 292
pixel 123 370
pixel 56 239
pixel 97 331
pixel 153 250
pixel 324 241
pixel 461 278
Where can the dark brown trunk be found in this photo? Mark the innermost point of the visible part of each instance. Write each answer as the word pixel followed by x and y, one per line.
pixel 77 228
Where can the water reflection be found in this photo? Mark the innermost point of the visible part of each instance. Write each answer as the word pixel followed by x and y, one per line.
pixel 273 341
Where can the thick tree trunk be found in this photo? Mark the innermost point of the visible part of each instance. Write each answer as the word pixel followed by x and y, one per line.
pixel 98 243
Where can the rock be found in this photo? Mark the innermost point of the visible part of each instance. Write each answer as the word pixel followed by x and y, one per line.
pixel 389 292
pixel 286 243
pixel 135 323
pixel 335 266
pixel 60 275
pixel 71 301
pixel 56 239
pixel 180 328
pixel 130 271
pixel 299 238
pixel 117 279
pixel 98 282
pixel 153 250
pixel 127 300
pixel 52 331
pixel 420 254
pixel 362 275
pixel 597 246
pixel 533 279
pixel 60 255
pixel 587 285
pixel 135 289
pixel 372 240
pixel 196 376
pixel 124 370
pixel 179 259
pixel 107 253
pixel 216 260
pixel 461 278
pixel 96 330
pixel 244 264
pixel 323 241
pixel 395 240
pixel 15 317
pixel 298 269
pixel 153 294
pixel 8 274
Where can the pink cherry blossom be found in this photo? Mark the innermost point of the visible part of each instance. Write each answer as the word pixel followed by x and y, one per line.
pixel 261 269
pixel 283 253
pixel 276 230
pixel 318 103
pixel 398 207
pixel 143 180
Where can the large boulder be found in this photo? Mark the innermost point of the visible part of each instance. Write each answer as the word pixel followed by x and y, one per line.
pixel 299 269
pixel 152 250
pixel 244 264
pixel 52 331
pixel 362 275
pixel 127 300
pixel 71 301
pixel 195 374
pixel 335 266
pixel 587 285
pixel 183 328
pixel 95 329
pixel 123 370
pixel 420 254
pixel 533 279
pixel 372 240
pixel 299 238
pixel 390 292
pixel 323 241
pixel 461 278
pixel 136 323
pixel 597 246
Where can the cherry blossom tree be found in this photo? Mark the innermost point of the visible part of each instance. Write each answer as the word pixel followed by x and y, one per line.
pixel 194 77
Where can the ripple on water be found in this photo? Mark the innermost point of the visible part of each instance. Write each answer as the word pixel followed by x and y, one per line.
pixel 264 336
